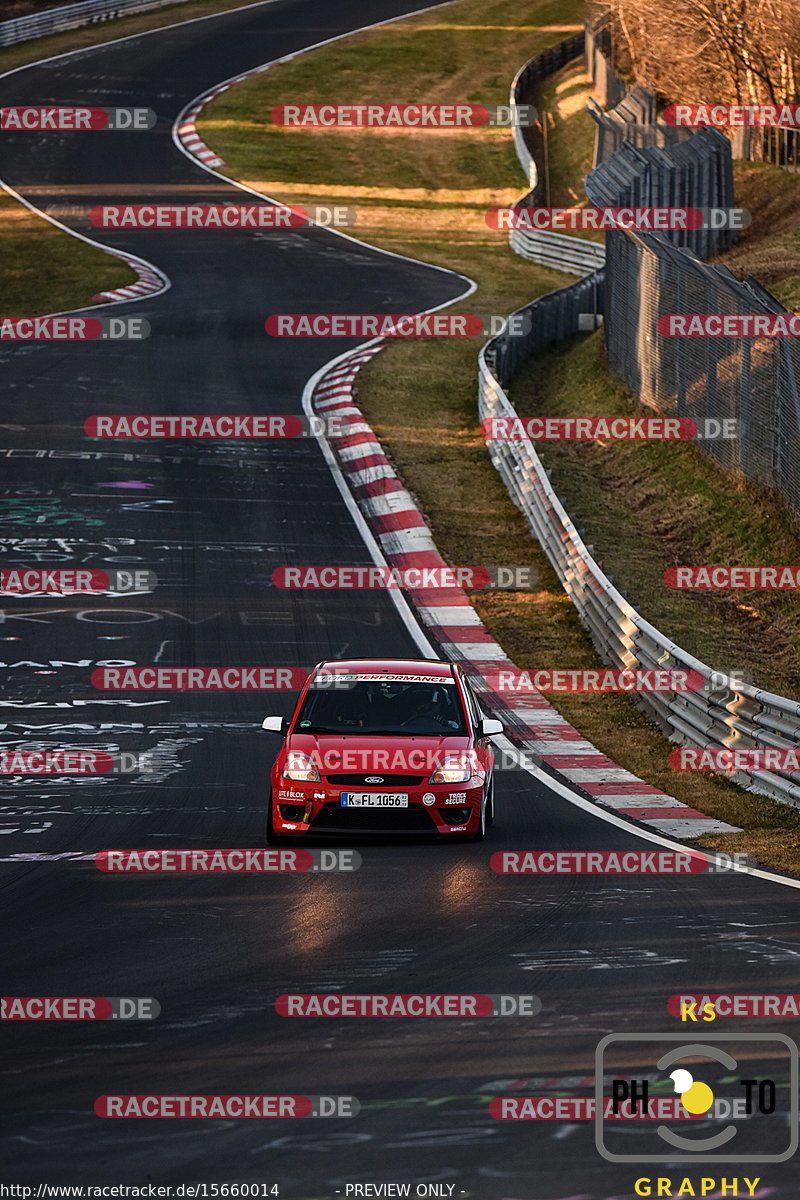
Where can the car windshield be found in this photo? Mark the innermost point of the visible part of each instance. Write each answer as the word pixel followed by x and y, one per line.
pixel 378 707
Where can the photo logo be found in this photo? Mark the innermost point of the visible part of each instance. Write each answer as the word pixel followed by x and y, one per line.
pixel 739 1115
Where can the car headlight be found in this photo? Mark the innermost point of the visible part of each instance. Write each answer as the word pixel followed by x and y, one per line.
pixel 300 766
pixel 457 768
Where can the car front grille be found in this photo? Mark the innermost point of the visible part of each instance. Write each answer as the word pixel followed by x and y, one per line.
pixel 413 819
pixel 389 783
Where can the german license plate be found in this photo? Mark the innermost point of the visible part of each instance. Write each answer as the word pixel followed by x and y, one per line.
pixel 375 799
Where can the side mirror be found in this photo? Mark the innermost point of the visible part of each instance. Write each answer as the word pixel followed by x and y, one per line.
pixel 489 727
pixel 275 724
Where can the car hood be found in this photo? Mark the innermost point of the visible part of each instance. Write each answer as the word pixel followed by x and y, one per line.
pixel 377 754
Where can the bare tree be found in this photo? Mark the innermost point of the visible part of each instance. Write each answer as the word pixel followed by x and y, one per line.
pixel 726 51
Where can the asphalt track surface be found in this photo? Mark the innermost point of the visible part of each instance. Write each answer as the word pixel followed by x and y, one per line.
pixel 604 954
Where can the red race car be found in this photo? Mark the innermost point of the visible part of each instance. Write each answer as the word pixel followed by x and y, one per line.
pixel 381 746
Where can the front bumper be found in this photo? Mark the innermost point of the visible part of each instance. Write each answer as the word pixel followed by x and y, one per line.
pixel 444 809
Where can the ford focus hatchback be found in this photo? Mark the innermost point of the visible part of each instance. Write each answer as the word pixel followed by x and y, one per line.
pixel 383 746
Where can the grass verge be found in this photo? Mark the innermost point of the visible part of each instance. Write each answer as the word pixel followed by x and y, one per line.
pixel 46 270
pixel 770 247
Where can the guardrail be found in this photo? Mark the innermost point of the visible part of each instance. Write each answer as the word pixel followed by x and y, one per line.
pixel 574 255
pixel 72 16
pixel 725 713
pixel 536 69
pixel 733 715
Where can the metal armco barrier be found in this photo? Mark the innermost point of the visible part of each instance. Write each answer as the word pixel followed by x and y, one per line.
pixel 574 255
pixel 536 69
pixel 733 716
pixel 72 16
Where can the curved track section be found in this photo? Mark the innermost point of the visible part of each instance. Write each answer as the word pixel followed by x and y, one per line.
pixel 213 521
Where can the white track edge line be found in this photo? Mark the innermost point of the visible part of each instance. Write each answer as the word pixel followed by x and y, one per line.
pixel 413 627
pixel 211 94
pixel 400 602
pixel 562 789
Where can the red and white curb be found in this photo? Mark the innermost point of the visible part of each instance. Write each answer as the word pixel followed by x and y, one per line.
pixel 191 140
pixel 450 619
pixel 187 131
pixel 148 283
